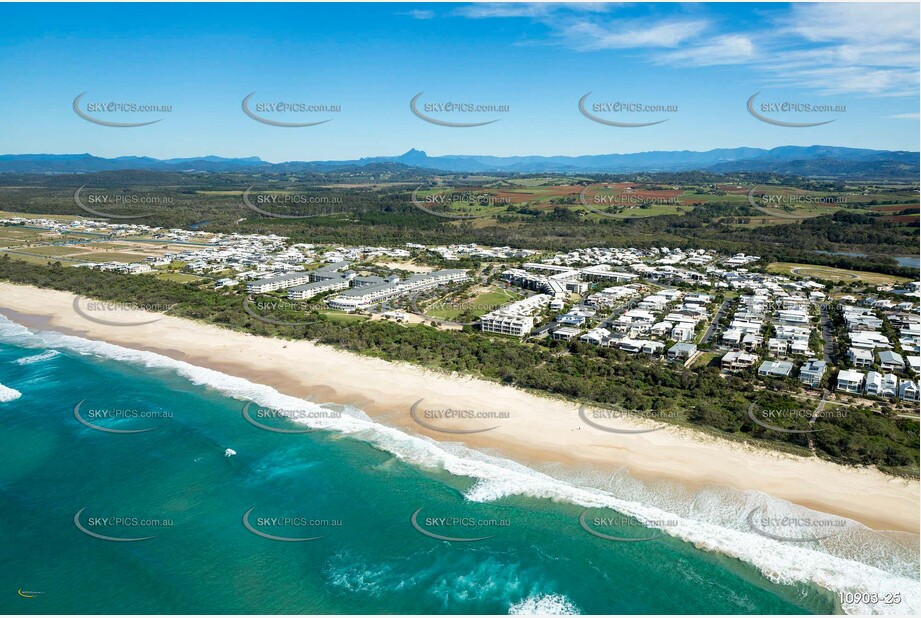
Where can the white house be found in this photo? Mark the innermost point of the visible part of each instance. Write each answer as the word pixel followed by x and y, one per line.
pixel 850 381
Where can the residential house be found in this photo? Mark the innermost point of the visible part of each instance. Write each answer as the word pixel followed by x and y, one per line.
pixel 881 385
pixel 850 381
pixel 683 332
pixel 737 360
pixel 775 369
pixel 890 361
pixel 681 351
pixel 812 371
pixel 908 390
pixel 860 358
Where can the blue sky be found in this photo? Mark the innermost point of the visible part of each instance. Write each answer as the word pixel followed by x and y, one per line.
pixel 538 59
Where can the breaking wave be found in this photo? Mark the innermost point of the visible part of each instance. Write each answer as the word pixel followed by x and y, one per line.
pixel 854 560
pixel 8 394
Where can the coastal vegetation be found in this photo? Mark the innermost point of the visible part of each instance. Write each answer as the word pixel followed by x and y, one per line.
pixel 699 396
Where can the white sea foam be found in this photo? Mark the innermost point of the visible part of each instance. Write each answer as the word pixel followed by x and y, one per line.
pixel 856 561
pixel 37 358
pixel 8 394
pixel 544 605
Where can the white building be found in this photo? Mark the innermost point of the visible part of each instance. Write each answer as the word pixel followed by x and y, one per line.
pixel 850 381
pixel 514 318
pixel 271 284
pixel 368 295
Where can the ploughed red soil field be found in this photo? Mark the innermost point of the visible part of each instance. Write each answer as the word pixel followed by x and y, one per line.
pixel 895 208
pixel 901 219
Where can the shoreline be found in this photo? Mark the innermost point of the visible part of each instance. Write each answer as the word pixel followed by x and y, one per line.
pixel 538 431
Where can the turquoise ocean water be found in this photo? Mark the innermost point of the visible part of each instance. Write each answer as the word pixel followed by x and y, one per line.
pixel 356 486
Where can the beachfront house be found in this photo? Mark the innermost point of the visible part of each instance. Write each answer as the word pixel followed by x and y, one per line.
pixel 850 381
pixel 596 336
pixel 775 369
pixel 812 371
pixel 565 333
pixel 737 360
pixel 681 351
pixel 881 385
pixel 908 390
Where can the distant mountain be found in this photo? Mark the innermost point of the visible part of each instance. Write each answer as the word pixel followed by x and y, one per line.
pixel 801 160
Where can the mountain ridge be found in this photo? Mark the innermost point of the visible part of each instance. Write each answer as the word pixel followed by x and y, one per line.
pixel 823 160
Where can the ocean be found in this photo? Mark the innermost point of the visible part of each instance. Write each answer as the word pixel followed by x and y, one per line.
pixel 118 496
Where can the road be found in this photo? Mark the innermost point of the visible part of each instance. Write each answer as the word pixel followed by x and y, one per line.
pixel 825 326
pixel 609 321
pixel 714 323
pixel 605 323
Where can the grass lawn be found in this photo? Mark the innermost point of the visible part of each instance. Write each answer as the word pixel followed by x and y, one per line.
pixel 340 316
pixel 113 256
pixel 833 274
pixel 706 358
pixel 481 304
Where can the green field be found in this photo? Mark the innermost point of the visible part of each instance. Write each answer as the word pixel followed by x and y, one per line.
pixel 341 316
pixel 14 237
pixel 479 305
pixel 112 256
pixel 838 275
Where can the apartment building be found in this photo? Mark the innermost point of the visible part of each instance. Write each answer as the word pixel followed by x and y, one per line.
pixel 365 296
pixel 261 286
pixel 309 290
pixel 514 318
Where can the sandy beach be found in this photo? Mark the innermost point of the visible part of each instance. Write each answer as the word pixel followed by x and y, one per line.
pixel 525 427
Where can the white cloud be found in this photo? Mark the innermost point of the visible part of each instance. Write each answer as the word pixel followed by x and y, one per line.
pixel 505 9
pixel 419 14
pixel 485 10
pixel 868 21
pixel 586 35
pixel 853 48
pixel 726 49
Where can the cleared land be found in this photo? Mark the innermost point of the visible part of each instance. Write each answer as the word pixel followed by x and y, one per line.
pixel 476 305
pixel 829 273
